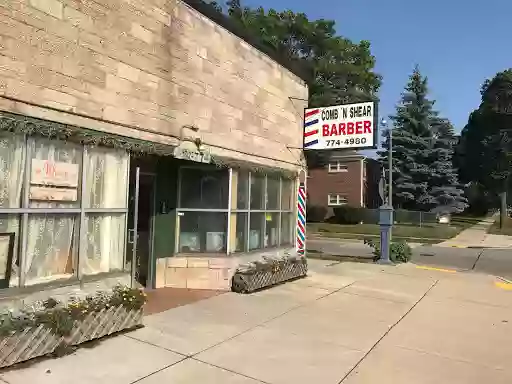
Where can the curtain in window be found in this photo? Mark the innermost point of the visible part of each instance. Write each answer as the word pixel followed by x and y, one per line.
pixel 104 247
pixel 106 173
pixel 50 247
pixel 12 171
pixel 51 238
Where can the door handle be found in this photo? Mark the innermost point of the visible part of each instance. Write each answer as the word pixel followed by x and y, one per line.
pixel 131 236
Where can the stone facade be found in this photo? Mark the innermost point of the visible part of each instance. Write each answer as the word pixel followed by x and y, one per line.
pixel 205 272
pixel 146 68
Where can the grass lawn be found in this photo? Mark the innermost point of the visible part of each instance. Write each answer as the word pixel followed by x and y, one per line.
pixel 506 230
pixel 428 233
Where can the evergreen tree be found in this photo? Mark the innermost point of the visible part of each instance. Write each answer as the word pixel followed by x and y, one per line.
pixel 413 146
pixel 424 177
pixel 444 185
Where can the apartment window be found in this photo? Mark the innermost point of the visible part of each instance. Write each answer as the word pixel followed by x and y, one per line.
pixel 337 167
pixel 335 200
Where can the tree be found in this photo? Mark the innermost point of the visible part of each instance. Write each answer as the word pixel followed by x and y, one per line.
pixel 484 151
pixel 343 71
pixel 424 177
pixel 412 138
pixel 444 185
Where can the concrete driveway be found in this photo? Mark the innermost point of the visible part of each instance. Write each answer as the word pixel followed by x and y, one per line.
pixel 345 323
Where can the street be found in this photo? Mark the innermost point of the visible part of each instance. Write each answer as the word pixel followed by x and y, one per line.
pixel 496 262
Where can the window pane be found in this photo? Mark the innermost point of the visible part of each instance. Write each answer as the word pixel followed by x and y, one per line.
pixel 286 229
pixel 106 173
pixel 12 169
pixel 272 193
pixel 204 188
pixel 242 190
pixel 9 241
pixel 55 174
pixel 241 232
pixel 257 191
pixel 272 230
pixel 287 194
pixel 203 232
pixel 104 245
pixel 256 231
pixel 51 246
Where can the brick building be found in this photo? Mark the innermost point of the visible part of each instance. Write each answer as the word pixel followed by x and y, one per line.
pixel 345 178
pixel 140 130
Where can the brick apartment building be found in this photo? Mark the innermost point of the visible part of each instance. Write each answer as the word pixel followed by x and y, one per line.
pixel 345 178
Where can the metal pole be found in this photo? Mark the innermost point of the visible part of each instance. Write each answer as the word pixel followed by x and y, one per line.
pixel 390 176
pixel 135 225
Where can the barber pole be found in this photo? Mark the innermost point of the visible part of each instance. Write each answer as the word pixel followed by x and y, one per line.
pixel 301 220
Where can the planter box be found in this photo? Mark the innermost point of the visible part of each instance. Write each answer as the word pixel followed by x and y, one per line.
pixel 38 341
pixel 266 273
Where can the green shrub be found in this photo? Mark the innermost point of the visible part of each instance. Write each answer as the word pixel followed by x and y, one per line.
pixel 348 215
pixel 399 252
pixel 315 213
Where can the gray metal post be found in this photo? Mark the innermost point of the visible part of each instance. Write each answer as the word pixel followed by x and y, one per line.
pixel 390 170
pixel 135 225
pixel 385 222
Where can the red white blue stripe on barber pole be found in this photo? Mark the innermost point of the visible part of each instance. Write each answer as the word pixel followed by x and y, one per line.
pixel 301 220
pixel 311 130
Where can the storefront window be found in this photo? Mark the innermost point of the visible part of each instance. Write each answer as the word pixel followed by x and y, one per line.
pixel 53 209
pixel 9 239
pixel 204 188
pixel 12 170
pixel 272 193
pixel 51 247
pixel 204 232
pixel 257 191
pixel 287 194
pixel 104 245
pixel 242 190
pixel 241 231
pixel 271 230
pixel 106 177
pixel 269 214
pixel 256 231
pixel 286 228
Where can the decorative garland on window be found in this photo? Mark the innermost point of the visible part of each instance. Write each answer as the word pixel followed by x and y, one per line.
pixel 20 124
pixel 25 125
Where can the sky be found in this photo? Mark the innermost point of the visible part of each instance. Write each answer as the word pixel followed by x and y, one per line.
pixel 457 44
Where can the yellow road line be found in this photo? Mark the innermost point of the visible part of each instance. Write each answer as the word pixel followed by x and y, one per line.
pixel 505 286
pixel 436 269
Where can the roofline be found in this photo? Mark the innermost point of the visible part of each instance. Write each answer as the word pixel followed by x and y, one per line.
pixel 298 68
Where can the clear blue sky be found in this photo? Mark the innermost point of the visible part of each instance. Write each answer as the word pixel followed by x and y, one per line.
pixel 457 43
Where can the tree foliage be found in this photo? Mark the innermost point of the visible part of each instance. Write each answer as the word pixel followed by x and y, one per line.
pixel 343 70
pixel 483 153
pixel 423 175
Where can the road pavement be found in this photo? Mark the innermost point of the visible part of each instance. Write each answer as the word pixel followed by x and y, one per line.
pixel 497 262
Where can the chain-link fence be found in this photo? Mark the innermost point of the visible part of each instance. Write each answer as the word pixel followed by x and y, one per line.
pixel 371 216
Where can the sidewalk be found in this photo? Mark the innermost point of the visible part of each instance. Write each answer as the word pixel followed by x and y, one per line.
pixel 345 323
pixel 477 237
